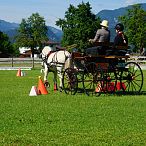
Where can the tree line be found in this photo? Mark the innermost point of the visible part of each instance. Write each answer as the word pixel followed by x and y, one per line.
pixel 79 24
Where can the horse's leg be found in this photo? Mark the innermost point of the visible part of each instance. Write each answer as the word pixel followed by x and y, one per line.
pixel 55 79
pixel 60 78
pixel 45 75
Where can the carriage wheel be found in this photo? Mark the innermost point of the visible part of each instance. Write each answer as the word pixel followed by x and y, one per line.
pixel 110 79
pixel 131 78
pixel 92 79
pixel 70 81
pixel 80 81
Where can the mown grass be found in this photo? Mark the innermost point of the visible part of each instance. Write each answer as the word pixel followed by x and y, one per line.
pixel 60 119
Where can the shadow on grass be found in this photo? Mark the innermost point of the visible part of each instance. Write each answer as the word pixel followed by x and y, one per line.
pixel 118 93
pixel 121 93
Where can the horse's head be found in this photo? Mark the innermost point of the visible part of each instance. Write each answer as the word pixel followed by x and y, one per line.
pixel 46 50
pixel 44 55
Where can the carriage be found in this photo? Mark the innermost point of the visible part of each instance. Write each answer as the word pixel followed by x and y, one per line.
pixel 95 74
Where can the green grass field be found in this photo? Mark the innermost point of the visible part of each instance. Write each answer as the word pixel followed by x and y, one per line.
pixel 60 119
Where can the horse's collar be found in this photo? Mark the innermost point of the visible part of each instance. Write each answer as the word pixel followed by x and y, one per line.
pixel 50 53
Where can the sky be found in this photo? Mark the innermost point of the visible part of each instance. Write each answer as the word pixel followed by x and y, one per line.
pixel 52 10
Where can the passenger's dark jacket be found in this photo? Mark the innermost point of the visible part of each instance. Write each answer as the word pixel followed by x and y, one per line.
pixel 120 39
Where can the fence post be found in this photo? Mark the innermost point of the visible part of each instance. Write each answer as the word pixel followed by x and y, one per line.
pixel 33 62
pixel 12 62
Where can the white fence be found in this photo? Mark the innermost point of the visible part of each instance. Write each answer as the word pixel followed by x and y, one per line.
pixel 141 60
pixel 28 63
pixel 138 59
pixel 15 63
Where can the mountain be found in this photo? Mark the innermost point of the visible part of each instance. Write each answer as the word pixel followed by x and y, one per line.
pixel 112 16
pixel 11 30
pixel 4 26
pixel 54 34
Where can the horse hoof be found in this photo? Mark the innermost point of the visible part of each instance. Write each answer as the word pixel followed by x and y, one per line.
pixel 46 83
pixel 60 89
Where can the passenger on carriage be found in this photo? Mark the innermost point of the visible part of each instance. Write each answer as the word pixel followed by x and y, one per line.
pixel 120 39
pixel 120 44
pixel 102 35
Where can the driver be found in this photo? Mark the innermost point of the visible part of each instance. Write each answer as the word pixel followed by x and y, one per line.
pixel 102 35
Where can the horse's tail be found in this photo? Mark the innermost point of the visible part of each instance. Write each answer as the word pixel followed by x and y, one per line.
pixel 68 62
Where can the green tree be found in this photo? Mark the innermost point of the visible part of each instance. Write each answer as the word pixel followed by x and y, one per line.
pixel 135 24
pixel 6 47
pixel 32 32
pixel 78 26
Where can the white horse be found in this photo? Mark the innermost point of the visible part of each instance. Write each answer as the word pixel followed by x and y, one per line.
pixel 55 61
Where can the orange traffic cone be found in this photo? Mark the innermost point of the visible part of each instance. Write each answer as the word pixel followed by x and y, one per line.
pixel 55 87
pixel 110 86
pixel 41 87
pixel 19 73
pixel 98 88
pixel 118 86
pixel 121 86
pixel 33 91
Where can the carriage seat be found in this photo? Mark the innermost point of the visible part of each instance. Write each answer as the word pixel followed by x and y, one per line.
pixel 117 50
pixel 108 48
pixel 98 48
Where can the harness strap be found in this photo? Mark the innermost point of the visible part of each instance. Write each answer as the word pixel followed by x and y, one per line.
pixel 54 62
pixel 50 53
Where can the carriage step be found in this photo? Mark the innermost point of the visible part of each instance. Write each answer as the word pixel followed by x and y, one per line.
pixel 113 57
